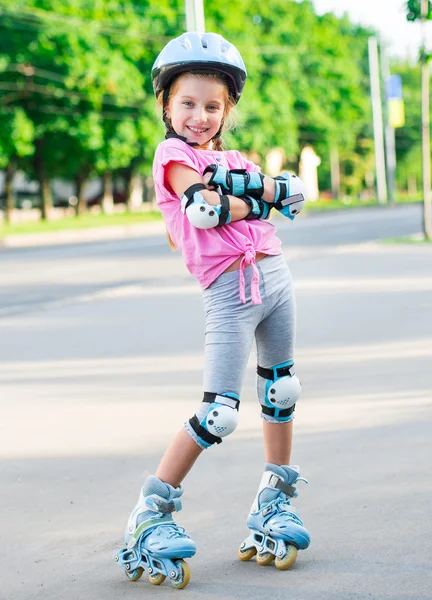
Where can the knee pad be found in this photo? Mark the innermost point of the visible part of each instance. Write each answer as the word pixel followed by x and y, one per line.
pixel 290 195
pixel 201 214
pixel 218 418
pixel 281 391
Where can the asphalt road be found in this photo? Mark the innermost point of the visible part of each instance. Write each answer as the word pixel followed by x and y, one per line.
pixel 101 361
pixel 38 275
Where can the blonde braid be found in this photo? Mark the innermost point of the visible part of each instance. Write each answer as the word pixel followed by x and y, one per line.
pixel 218 144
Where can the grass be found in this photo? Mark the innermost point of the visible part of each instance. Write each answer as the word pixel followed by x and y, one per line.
pixel 86 221
pixel 324 204
pixel 418 238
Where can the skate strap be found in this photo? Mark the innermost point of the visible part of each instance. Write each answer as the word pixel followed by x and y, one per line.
pixel 162 505
pixel 286 412
pixel 278 484
pixel 270 373
pixel 203 433
pixel 142 527
pixel 210 397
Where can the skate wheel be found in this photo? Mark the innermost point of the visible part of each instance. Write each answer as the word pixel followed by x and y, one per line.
pixel 157 578
pixel 246 554
pixel 288 560
pixel 264 559
pixel 135 575
pixel 184 577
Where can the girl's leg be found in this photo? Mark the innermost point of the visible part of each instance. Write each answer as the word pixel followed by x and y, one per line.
pixel 275 338
pixel 276 530
pixel 278 442
pixel 229 333
pixel 153 539
pixel 179 459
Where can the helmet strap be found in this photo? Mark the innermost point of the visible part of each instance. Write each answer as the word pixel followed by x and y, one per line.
pixel 219 131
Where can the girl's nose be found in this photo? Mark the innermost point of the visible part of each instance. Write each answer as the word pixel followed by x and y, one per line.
pixel 200 115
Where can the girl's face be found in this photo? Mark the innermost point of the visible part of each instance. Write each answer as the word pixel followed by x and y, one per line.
pixel 196 108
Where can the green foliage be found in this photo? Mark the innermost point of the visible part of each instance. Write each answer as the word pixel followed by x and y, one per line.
pixel 75 84
pixel 409 136
pixel 307 77
pixel 16 136
pixel 413 8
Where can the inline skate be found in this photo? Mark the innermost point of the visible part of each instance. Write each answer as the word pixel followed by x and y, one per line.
pixel 276 531
pixel 155 544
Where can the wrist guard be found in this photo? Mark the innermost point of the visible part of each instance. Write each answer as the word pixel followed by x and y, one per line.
pixel 258 208
pixel 236 182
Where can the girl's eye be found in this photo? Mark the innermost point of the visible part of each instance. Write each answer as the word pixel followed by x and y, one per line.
pixel 187 103
pixel 212 107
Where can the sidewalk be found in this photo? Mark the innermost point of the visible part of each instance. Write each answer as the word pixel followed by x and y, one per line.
pixel 74 236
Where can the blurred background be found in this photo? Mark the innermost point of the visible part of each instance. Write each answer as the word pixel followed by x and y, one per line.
pixel 334 93
pixel 101 329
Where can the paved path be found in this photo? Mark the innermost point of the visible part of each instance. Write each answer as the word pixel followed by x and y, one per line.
pixel 94 383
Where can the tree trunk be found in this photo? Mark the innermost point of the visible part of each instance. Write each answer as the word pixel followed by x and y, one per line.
pixel 128 180
pixel 107 204
pixel 10 204
pixel 149 192
pixel 412 186
pixel 133 184
pixel 44 184
pixel 81 184
pixel 335 172
pixel 134 190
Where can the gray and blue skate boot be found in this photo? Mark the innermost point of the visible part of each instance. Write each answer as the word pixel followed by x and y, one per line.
pixel 154 543
pixel 276 531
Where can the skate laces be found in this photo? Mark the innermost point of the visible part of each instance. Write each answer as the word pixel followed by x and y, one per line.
pixel 281 507
pixel 172 531
pixel 162 507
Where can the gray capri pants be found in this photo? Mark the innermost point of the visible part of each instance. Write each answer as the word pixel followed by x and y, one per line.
pixel 231 326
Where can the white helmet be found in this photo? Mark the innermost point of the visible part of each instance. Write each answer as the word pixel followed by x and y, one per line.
pixel 203 52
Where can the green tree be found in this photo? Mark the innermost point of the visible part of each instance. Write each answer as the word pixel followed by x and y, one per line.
pixel 16 142
pixel 413 8
pixel 77 64
pixel 307 83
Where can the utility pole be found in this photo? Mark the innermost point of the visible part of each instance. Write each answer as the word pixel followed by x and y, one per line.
pixel 390 142
pixel 195 15
pixel 377 120
pixel 425 70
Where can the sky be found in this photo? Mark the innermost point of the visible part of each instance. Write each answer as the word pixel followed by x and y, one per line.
pixel 387 16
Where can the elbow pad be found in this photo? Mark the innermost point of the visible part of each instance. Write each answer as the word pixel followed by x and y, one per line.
pixel 200 213
pixel 236 182
pixel 290 196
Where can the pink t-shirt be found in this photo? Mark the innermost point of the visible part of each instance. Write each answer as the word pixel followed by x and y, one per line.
pixel 209 252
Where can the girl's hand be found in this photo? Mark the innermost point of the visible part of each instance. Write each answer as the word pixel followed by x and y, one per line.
pixel 206 180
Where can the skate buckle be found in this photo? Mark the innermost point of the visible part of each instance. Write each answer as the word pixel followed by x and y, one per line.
pixel 267 510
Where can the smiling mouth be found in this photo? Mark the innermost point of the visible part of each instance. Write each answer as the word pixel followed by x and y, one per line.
pixel 196 130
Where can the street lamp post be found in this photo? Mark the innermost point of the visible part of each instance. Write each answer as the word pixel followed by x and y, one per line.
pixel 377 120
pixel 195 15
pixel 425 70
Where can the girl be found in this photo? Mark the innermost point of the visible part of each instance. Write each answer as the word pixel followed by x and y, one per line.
pixel 215 204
